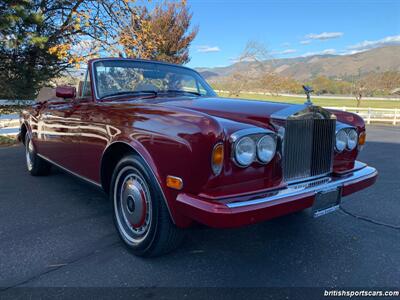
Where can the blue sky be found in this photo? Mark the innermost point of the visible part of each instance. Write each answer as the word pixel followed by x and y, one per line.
pixel 290 28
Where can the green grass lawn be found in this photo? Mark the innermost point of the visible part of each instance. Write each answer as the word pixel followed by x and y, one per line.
pixel 7 141
pixel 321 102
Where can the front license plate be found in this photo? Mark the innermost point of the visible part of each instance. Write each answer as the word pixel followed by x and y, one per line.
pixel 326 202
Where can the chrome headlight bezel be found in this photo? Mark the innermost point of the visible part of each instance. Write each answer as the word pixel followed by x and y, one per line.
pixel 244 161
pixel 255 134
pixel 340 147
pixel 352 139
pixel 271 140
pixel 349 136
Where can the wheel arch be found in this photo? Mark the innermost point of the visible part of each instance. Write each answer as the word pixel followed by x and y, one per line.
pixel 111 155
pixel 23 131
pixel 114 153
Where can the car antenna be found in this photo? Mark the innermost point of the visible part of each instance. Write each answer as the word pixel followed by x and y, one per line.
pixel 308 90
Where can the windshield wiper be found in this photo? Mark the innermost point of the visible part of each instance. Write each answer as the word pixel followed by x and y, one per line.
pixel 134 93
pixel 182 92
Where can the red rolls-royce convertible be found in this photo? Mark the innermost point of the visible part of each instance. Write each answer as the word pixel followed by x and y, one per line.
pixel 169 152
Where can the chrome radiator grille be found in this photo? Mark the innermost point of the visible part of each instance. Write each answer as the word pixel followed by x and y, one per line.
pixel 308 148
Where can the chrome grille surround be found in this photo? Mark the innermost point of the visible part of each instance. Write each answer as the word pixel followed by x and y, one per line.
pixel 308 139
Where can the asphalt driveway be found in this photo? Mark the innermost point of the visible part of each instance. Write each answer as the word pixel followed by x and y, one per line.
pixel 58 231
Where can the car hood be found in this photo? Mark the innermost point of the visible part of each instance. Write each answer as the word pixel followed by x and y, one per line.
pixel 240 110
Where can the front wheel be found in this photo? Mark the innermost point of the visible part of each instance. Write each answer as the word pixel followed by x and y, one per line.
pixel 36 165
pixel 140 213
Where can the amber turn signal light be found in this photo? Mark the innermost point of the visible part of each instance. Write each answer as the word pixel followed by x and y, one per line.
pixel 217 158
pixel 175 183
pixel 362 138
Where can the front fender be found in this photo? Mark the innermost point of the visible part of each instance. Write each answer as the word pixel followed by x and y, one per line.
pixel 179 146
pixel 345 160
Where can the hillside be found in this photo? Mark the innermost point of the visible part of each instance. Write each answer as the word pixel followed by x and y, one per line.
pixel 305 68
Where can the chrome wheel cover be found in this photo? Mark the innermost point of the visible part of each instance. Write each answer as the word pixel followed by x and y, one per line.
pixel 132 205
pixel 29 153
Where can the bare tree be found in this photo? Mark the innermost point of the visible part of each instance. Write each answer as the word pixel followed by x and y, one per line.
pixel 358 88
pixel 254 51
pixel 376 83
pixel 254 54
pixel 358 91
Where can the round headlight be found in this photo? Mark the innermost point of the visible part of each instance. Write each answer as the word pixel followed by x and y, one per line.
pixel 352 139
pixel 245 151
pixel 341 140
pixel 266 147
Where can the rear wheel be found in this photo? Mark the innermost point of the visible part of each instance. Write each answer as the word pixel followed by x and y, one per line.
pixel 140 213
pixel 36 165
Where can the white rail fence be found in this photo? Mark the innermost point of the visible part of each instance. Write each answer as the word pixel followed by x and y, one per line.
pixel 370 115
pixel 9 124
pixel 313 96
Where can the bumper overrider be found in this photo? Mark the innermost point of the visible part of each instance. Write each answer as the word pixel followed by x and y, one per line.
pixel 238 211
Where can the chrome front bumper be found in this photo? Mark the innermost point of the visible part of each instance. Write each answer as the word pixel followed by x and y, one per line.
pixel 239 211
pixel 360 174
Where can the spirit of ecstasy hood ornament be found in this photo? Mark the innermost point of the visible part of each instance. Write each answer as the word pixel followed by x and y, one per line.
pixel 308 90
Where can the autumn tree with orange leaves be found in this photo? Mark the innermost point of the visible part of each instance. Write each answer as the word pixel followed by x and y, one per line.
pixel 41 39
pixel 162 34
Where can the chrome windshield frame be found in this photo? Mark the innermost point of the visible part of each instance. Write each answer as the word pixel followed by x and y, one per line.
pixel 208 88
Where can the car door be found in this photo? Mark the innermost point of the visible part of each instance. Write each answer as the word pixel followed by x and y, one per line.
pixel 96 133
pixel 59 131
pixel 93 135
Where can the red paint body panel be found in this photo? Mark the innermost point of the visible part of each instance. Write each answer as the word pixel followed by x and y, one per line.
pixel 218 215
pixel 175 136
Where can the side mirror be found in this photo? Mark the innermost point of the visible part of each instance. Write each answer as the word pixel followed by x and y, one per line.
pixel 66 92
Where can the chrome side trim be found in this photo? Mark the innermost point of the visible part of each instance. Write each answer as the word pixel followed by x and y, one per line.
pixel 70 172
pixel 313 186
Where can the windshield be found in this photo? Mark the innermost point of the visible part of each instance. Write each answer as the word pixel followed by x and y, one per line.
pixel 124 77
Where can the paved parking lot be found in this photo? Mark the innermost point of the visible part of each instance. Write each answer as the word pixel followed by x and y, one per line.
pixel 58 231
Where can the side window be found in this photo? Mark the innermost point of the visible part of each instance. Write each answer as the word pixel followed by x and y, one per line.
pixel 188 84
pixel 87 87
pixel 184 83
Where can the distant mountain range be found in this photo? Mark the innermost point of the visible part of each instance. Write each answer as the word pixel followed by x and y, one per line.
pixel 305 68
